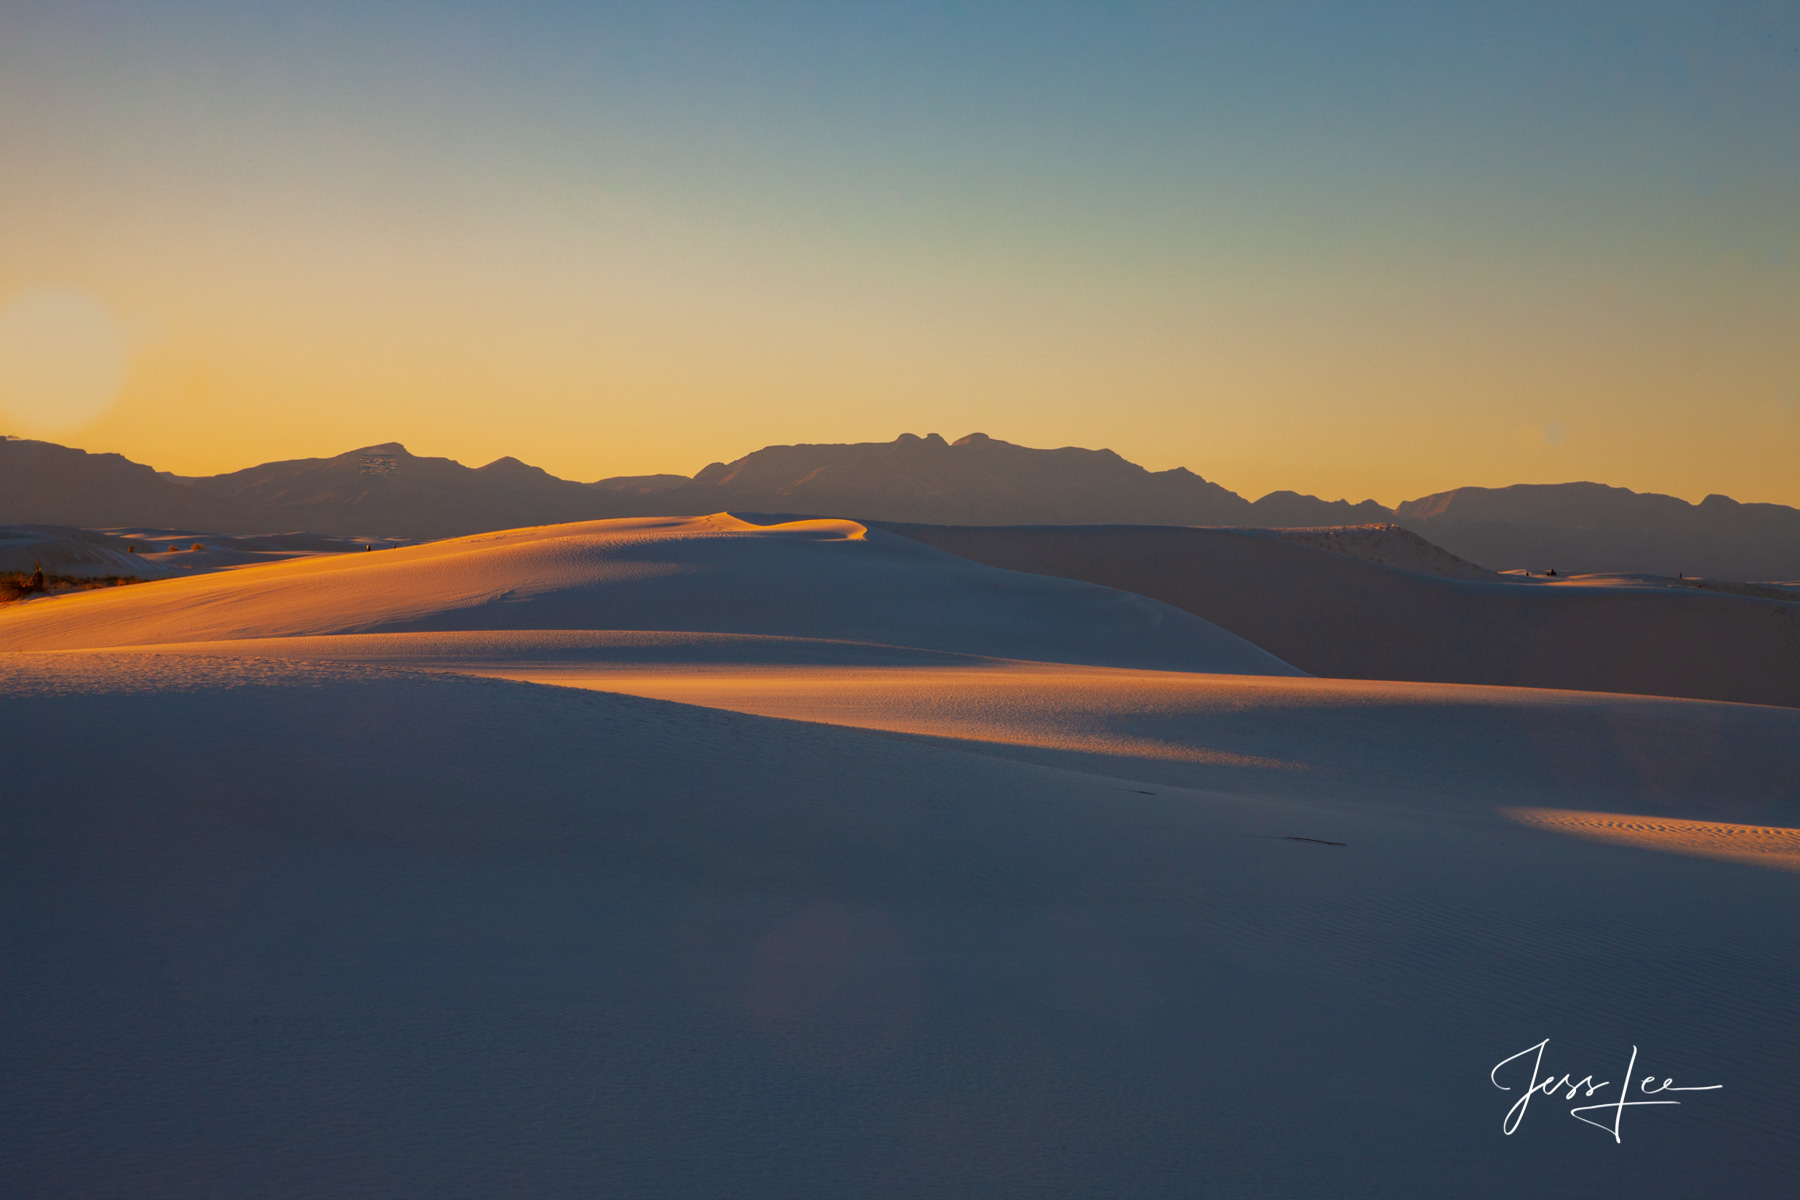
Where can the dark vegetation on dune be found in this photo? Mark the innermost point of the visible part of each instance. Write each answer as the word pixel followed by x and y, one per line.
pixel 22 585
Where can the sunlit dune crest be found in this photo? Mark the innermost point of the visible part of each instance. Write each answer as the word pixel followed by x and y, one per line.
pixel 816 579
pixel 1755 845
pixel 926 817
pixel 809 798
pixel 1020 705
pixel 1295 735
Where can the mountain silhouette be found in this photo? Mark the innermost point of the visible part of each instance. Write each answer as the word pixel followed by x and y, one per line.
pixel 1590 527
pixel 384 490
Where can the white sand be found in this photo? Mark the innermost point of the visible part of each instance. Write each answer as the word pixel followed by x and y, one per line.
pixel 328 915
pixel 186 552
pixel 1389 545
pixel 1364 604
pixel 78 553
pixel 818 579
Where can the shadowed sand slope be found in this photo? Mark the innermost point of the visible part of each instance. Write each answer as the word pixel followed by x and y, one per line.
pixel 813 579
pixel 342 929
pixel 1379 743
pixel 1334 614
pixel 80 553
pixel 1443 747
pixel 841 866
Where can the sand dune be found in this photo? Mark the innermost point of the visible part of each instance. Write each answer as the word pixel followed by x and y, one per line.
pixel 823 622
pixel 1389 545
pixel 184 551
pixel 1445 748
pixel 838 866
pixel 76 553
pixel 1756 845
pixel 354 930
pixel 1442 746
pixel 815 579
pixel 1332 612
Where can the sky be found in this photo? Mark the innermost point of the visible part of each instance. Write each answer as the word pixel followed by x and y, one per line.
pixel 1356 250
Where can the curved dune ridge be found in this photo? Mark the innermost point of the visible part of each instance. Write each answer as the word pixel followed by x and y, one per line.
pixel 1382 604
pixel 368 930
pixel 78 553
pixel 1435 748
pixel 824 579
pixel 1756 845
pixel 837 865
pixel 1387 545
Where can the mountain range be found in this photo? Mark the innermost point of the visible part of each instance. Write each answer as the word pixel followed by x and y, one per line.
pixel 384 490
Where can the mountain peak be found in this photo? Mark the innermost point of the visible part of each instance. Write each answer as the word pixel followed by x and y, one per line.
pixel 508 465
pixel 384 489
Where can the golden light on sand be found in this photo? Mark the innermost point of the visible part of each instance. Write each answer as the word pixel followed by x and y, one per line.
pixel 1024 705
pixel 1755 845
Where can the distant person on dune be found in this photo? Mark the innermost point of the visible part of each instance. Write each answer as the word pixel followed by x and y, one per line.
pixel 36 582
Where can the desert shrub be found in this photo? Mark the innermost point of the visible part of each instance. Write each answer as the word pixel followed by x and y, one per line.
pixel 14 584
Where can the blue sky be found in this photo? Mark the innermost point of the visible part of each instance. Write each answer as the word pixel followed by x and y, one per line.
pixel 1362 249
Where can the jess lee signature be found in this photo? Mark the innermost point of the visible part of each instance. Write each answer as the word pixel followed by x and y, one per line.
pixel 1587 1088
